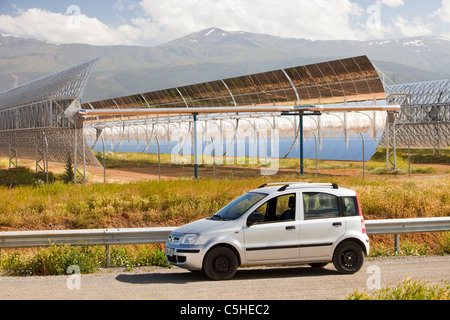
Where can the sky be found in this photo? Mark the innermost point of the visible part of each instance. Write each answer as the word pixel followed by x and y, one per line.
pixel 153 22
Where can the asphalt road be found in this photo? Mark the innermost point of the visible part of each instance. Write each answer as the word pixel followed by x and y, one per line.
pixel 258 283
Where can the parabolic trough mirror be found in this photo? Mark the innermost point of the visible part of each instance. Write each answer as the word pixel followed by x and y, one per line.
pixel 338 135
pixel 335 108
pixel 334 136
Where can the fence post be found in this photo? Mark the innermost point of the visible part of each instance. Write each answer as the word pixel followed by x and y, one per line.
pixel 363 155
pixel 409 155
pixel 159 157
pixel 315 150
pixel 46 156
pixel 104 159
pixel 214 158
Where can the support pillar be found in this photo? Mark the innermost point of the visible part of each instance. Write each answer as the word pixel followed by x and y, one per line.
pixel 301 142
pixel 195 148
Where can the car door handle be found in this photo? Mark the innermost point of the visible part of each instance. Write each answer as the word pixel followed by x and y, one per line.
pixel 290 228
pixel 337 224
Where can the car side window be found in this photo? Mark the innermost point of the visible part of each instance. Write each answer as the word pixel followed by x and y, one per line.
pixel 279 209
pixel 318 205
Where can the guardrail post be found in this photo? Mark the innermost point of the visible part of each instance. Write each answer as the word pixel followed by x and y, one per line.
pixel 397 243
pixel 108 257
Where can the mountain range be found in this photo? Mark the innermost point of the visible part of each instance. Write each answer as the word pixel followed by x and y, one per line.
pixel 212 54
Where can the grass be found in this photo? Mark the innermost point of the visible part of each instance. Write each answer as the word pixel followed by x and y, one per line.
pixel 55 260
pixel 175 202
pixel 418 157
pixel 409 289
pixel 23 176
pixel 407 248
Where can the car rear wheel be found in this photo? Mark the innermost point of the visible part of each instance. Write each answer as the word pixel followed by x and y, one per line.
pixel 220 263
pixel 348 258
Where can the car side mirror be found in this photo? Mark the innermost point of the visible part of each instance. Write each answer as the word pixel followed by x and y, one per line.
pixel 254 218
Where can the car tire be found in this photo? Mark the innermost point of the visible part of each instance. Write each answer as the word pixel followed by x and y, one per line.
pixel 220 263
pixel 348 258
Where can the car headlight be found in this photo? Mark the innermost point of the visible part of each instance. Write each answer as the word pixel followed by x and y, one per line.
pixel 189 239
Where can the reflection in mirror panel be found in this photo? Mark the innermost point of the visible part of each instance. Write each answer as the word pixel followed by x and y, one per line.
pixel 345 80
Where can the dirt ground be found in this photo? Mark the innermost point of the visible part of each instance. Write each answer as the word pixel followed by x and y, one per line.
pixel 170 171
pixel 125 175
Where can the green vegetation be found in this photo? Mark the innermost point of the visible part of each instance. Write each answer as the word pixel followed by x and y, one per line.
pixel 130 159
pixel 444 244
pixel 440 245
pixel 407 290
pixel 175 202
pixel 23 176
pixel 68 174
pixel 377 165
pixel 55 260
pixel 407 248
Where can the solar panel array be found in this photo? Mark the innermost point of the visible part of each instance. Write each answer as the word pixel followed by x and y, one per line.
pixel 65 84
pixel 353 79
pixel 424 93
pixel 35 111
pixel 424 121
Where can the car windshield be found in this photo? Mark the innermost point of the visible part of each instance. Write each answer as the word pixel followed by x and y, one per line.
pixel 236 208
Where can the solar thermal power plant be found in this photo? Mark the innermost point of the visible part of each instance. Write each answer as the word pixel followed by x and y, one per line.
pixel 339 101
pixel 325 109
pixel 424 120
pixel 38 122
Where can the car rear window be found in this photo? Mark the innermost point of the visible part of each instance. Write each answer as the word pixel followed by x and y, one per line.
pixel 350 206
pixel 317 205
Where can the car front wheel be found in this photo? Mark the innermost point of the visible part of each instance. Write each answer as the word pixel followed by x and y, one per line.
pixel 220 263
pixel 348 258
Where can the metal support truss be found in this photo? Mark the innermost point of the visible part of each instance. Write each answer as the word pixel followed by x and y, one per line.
pixel 42 153
pixel 423 120
pixel 12 154
pixel 37 120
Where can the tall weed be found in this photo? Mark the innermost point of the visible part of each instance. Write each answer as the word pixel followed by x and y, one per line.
pixel 409 289
pixel 55 260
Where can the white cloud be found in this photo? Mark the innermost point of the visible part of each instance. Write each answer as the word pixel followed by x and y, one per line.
pixel 391 3
pixel 124 5
pixel 317 20
pixel 444 11
pixel 159 21
pixel 71 28
pixel 415 28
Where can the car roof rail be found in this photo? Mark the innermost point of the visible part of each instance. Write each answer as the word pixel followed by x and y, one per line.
pixel 285 185
pixel 278 183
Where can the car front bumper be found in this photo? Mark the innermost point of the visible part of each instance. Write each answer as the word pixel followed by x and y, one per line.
pixel 187 257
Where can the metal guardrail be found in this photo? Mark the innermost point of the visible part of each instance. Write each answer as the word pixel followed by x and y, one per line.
pixel 101 237
pixel 416 225
pixel 107 237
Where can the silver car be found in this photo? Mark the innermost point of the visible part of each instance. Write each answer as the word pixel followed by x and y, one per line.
pixel 283 223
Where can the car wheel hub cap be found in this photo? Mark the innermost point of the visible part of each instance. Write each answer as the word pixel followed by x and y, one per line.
pixel 221 264
pixel 349 258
